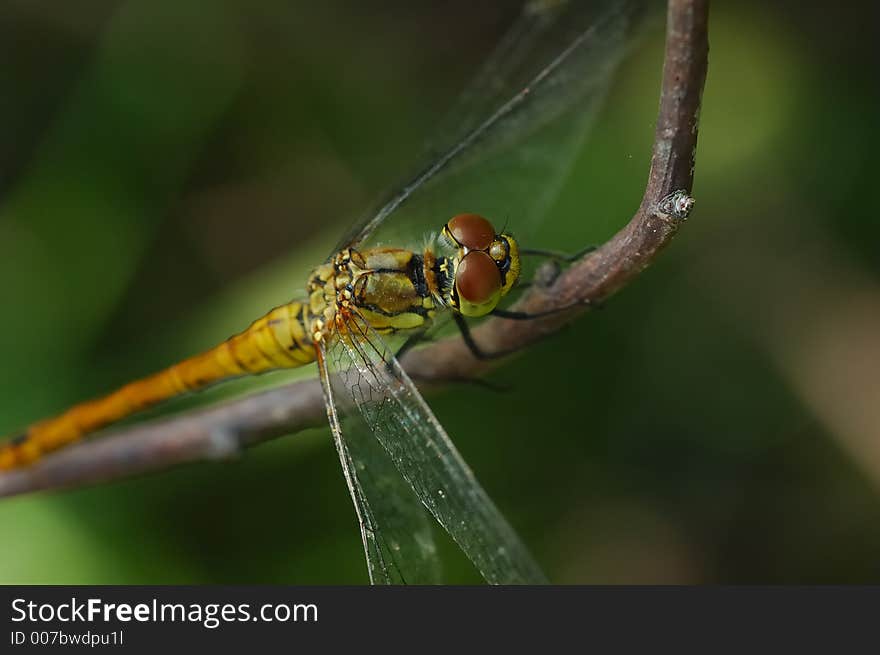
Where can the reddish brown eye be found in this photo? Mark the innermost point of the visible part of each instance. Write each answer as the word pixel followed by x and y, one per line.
pixel 471 231
pixel 478 283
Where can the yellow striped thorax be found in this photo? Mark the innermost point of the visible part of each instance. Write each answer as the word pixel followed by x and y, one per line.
pixel 393 288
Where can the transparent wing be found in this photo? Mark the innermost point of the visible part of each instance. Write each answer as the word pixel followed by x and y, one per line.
pixel 396 532
pixel 513 136
pixel 413 439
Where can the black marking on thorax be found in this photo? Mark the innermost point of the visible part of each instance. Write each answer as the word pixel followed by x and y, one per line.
pixel 416 272
pixel 444 274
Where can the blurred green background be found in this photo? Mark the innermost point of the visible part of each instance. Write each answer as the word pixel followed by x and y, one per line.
pixel 170 170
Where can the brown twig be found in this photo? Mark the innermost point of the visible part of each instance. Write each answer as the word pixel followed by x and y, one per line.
pixel 224 430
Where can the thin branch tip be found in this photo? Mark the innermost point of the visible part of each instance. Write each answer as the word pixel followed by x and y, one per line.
pixel 677 204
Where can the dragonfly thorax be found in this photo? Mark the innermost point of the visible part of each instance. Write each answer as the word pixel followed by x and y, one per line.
pixel 394 289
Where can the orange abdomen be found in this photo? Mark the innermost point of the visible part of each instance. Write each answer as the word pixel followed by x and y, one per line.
pixel 280 339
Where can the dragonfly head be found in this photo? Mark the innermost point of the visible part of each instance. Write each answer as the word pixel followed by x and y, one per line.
pixel 486 265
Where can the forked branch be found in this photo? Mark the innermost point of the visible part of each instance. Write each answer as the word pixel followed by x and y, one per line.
pixel 226 429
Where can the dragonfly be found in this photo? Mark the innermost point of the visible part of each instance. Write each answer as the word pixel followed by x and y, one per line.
pixel 512 137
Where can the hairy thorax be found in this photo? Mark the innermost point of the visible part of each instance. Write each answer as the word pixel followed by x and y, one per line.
pixel 394 289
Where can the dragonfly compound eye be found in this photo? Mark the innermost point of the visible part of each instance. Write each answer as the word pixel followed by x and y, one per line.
pixel 477 283
pixel 470 231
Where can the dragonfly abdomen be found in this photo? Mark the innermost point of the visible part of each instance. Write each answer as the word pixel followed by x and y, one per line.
pixel 280 339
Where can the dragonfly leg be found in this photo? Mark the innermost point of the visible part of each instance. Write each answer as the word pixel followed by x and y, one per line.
pixel 481 354
pixel 476 351
pixel 411 341
pixel 528 316
pixel 550 269
pixel 568 258
pixel 416 338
